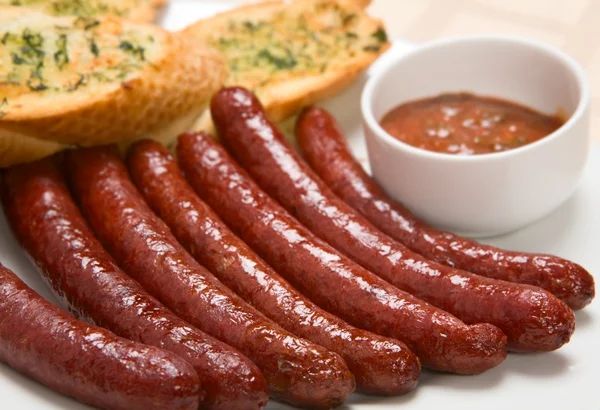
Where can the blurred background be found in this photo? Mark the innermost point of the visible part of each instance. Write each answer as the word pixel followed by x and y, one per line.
pixel 571 25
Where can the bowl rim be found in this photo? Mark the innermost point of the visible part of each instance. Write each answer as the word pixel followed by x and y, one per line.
pixel 568 61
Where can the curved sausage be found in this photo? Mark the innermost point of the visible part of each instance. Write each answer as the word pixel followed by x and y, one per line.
pixel 380 365
pixel 48 225
pixel 532 318
pixel 331 280
pixel 297 371
pixel 323 146
pixel 86 362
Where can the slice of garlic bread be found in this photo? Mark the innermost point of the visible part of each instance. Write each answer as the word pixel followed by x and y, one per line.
pixel 69 81
pixel 292 54
pixel 136 10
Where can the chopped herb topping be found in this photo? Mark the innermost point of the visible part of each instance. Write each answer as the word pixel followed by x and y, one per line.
pixel 380 35
pixel 33 40
pixel 86 23
pixel 372 48
pixel 61 57
pixel 82 80
pixel 36 82
pixel 91 25
pixel 33 43
pixel 281 62
pixel 94 47
pixel 251 26
pixel 5 38
pixel 80 8
pixel 17 60
pixel 138 51
pixel 28 52
pixel 349 18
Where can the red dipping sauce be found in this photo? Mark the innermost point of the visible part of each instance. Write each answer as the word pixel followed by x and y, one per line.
pixel 467 124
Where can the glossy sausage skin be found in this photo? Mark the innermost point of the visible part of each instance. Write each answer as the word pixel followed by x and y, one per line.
pixel 331 280
pixel 380 365
pixel 324 148
pixel 48 225
pixel 86 362
pixel 532 318
pixel 297 371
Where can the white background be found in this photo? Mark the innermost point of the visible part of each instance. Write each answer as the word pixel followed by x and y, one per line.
pixel 568 379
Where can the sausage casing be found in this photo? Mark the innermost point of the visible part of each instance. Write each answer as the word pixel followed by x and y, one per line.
pixel 330 279
pixel 48 225
pixel 380 365
pixel 86 362
pixel 322 143
pixel 532 318
pixel 297 371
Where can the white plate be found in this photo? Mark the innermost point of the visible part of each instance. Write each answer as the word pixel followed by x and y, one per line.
pixel 566 379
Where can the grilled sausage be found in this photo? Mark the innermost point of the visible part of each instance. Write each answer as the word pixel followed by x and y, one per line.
pixel 48 225
pixel 86 362
pixel 532 318
pixel 380 365
pixel 323 146
pixel 297 371
pixel 331 280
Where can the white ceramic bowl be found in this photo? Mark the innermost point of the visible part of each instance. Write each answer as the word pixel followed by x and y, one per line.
pixel 489 194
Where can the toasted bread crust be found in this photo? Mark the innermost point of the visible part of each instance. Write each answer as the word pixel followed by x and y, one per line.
pixel 17 148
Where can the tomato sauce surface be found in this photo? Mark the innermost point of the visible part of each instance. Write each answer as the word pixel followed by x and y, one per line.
pixel 467 124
